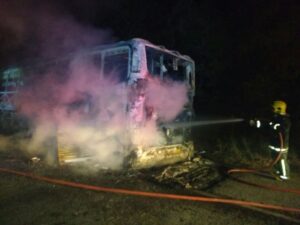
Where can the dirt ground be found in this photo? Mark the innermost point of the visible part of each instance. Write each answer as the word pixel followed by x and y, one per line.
pixel 25 201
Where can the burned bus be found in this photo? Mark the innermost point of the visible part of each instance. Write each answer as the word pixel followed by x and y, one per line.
pixel 119 101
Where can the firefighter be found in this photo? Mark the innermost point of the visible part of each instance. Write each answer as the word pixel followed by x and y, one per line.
pixel 278 127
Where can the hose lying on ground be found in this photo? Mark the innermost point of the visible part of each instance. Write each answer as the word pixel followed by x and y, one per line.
pixel 267 171
pixel 150 194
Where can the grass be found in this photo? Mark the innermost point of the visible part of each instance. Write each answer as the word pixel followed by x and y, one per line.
pixel 234 145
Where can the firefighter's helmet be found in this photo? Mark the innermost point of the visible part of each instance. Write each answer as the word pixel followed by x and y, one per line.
pixel 279 107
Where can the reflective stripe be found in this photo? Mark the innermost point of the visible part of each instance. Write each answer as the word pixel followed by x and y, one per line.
pixel 284 177
pixel 283 168
pixel 275 126
pixel 258 123
pixel 278 149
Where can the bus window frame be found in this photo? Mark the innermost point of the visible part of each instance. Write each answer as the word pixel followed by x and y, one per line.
pixel 105 52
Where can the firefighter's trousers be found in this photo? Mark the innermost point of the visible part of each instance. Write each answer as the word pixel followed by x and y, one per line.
pixel 281 167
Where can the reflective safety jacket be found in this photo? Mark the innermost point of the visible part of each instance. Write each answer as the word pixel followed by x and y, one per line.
pixel 279 129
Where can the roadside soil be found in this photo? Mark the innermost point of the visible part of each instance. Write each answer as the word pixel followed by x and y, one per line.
pixel 25 201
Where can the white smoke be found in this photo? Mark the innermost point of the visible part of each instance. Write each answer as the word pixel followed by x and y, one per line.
pixel 78 105
pixel 89 112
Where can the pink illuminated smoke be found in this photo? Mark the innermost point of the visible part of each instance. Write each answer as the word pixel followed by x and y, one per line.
pixel 72 100
pixel 89 110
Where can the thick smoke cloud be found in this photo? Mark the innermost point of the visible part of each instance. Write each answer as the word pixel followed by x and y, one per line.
pixel 86 110
pixel 89 112
pixel 167 98
pixel 74 102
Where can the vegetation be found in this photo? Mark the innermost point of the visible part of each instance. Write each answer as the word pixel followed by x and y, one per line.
pixel 235 145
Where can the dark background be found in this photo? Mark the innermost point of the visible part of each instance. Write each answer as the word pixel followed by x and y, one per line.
pixel 247 53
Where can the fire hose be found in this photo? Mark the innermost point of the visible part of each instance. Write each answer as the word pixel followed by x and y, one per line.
pixel 174 196
pixel 150 194
pixel 264 172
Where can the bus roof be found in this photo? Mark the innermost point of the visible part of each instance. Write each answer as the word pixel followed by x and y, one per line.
pixel 140 41
pixel 131 42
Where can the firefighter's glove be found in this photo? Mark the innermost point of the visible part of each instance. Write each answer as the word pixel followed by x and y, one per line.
pixel 255 123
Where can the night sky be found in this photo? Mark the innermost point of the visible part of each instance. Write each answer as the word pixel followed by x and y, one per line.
pixel 247 53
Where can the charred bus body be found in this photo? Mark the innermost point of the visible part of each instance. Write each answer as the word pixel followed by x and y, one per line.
pixel 132 71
